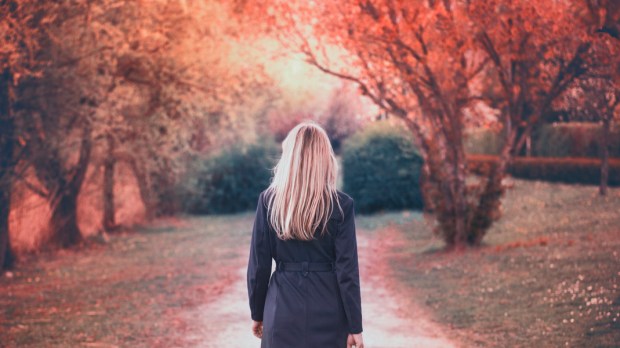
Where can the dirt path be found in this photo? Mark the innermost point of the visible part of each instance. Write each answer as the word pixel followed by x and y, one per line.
pixel 390 321
pixel 224 322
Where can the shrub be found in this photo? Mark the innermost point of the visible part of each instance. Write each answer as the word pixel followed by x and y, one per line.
pixel 231 181
pixel 566 170
pixel 382 169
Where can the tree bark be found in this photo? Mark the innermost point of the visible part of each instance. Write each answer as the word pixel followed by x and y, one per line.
pixel 109 222
pixel 490 198
pixel 528 146
pixel 7 130
pixel 605 155
pixel 7 258
pixel 460 194
pixel 63 224
pixel 150 204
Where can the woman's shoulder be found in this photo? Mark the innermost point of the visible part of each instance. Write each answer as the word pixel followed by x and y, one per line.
pixel 346 204
pixel 263 197
pixel 343 197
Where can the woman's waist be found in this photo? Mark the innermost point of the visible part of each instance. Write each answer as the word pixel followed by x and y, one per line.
pixel 305 266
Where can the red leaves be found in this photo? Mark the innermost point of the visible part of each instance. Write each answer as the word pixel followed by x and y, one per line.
pixel 539 241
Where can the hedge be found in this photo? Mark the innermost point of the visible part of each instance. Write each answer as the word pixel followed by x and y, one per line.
pixel 573 140
pixel 554 169
pixel 550 140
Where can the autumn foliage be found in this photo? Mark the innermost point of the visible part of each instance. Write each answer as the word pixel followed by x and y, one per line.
pixel 148 85
pixel 441 65
pixel 90 87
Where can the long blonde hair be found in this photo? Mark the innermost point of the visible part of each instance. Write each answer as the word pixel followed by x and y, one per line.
pixel 303 184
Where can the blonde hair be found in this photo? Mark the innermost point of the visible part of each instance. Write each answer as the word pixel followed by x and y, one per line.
pixel 303 184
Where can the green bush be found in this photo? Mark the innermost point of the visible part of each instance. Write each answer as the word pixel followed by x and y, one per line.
pixel 566 170
pixel 382 169
pixel 231 181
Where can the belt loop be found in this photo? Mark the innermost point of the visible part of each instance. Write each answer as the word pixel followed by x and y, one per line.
pixel 333 266
pixel 304 268
pixel 280 265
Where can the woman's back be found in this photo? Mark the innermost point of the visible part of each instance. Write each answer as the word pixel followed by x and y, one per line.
pixel 322 248
pixel 308 227
pixel 313 298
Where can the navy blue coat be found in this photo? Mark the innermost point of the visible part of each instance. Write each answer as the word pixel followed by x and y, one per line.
pixel 316 309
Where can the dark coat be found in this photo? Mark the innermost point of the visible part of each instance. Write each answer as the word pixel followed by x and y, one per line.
pixel 315 309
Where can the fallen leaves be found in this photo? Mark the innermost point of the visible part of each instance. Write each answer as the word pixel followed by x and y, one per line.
pixel 538 241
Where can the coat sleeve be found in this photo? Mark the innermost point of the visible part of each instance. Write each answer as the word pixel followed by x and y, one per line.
pixel 259 263
pixel 347 269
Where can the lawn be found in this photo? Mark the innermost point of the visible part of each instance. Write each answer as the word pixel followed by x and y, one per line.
pixel 548 275
pixel 128 292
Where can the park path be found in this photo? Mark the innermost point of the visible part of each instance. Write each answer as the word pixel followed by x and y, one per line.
pixel 225 322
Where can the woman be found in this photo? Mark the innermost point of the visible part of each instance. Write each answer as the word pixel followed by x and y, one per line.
pixel 307 226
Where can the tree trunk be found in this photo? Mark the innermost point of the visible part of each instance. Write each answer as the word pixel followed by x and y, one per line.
pixel 522 135
pixel 7 130
pixel 150 205
pixel 528 146
pixel 7 257
pixel 489 200
pixel 459 198
pixel 109 222
pixel 605 155
pixel 63 224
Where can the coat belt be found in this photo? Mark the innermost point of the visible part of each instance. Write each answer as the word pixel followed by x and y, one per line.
pixel 305 267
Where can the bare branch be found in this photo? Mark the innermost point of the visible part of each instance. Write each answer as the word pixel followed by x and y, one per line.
pixel 32 187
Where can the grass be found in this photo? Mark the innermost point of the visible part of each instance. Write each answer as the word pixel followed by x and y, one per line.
pixel 127 292
pixel 548 274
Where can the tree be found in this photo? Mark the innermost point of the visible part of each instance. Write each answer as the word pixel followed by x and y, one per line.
pixel 428 63
pixel 537 50
pixel 57 111
pixel 343 115
pixel 18 25
pixel 413 60
pixel 186 98
pixel 6 165
pixel 599 98
pixel 129 81
pixel 605 76
pixel 596 95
